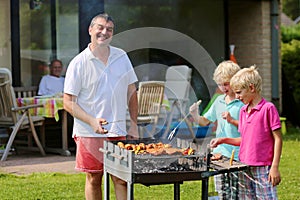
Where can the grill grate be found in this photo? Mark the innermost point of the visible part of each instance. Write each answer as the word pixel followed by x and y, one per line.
pixel 149 169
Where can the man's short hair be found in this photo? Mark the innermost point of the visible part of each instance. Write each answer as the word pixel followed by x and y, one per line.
pixel 55 60
pixel 105 16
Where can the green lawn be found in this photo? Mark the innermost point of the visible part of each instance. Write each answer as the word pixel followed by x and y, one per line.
pixel 71 186
pixel 289 187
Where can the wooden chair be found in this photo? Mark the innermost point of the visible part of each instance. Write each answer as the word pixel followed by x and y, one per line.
pixel 150 98
pixel 21 92
pixel 17 118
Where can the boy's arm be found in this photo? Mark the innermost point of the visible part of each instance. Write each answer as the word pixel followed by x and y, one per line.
pixel 234 122
pixel 274 175
pixel 226 115
pixel 202 121
pixel 233 141
pixel 194 111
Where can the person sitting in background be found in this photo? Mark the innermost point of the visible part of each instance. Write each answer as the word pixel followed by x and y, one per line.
pixel 52 83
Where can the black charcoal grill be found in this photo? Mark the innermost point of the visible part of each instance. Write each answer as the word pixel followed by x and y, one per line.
pixel 162 169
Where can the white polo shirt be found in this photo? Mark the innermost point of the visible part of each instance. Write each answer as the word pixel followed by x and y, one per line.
pixel 101 90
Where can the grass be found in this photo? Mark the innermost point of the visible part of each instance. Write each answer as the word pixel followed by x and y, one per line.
pixel 46 186
pixel 289 187
pixel 42 186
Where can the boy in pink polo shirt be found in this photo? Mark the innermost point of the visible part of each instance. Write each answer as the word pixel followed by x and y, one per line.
pixel 260 142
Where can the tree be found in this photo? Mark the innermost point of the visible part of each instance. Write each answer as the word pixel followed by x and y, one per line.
pixel 291 8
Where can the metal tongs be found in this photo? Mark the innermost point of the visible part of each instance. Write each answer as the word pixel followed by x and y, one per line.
pixel 103 123
pixel 106 122
pixel 172 133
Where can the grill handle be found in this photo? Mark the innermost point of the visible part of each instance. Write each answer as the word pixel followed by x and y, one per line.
pixel 209 173
pixel 111 154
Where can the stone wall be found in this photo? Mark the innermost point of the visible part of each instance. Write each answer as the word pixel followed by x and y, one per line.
pixel 250 32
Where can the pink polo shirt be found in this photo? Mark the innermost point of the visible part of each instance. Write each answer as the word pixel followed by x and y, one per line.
pixel 257 142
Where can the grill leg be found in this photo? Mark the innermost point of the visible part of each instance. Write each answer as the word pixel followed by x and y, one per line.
pixel 130 190
pixel 106 185
pixel 205 189
pixel 177 191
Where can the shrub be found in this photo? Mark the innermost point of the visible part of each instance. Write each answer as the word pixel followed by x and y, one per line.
pixel 289 33
pixel 291 66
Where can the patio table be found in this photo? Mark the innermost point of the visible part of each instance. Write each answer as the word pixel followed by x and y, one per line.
pixel 50 110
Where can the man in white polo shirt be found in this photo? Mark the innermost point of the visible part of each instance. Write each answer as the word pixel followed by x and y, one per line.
pixel 99 86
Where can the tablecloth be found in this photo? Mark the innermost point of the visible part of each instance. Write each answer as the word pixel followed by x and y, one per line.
pixel 50 109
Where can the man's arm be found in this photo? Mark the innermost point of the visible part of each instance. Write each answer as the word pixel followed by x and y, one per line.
pixel 76 111
pixel 133 111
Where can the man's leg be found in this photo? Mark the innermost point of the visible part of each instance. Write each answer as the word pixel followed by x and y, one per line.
pixel 120 188
pixel 93 184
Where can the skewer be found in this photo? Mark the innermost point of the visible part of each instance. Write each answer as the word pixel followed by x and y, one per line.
pixel 172 133
pixel 231 158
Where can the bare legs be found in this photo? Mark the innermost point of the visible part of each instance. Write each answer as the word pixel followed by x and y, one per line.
pixel 120 188
pixel 93 184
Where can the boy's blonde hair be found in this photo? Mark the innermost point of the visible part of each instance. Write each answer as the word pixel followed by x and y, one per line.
pixel 225 70
pixel 245 77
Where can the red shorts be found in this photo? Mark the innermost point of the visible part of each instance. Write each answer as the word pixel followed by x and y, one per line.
pixel 88 157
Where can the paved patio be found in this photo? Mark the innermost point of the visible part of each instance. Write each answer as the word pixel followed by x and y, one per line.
pixel 31 162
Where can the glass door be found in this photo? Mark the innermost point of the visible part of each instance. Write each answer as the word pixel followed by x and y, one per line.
pixel 45 30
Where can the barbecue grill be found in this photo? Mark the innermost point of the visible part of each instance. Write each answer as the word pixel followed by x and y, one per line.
pixel 174 169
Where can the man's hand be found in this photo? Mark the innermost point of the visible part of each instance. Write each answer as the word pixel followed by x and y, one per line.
pixel 97 126
pixel 133 132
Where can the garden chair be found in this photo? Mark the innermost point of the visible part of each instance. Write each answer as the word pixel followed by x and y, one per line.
pixel 177 89
pixel 150 98
pixel 17 119
pixel 21 92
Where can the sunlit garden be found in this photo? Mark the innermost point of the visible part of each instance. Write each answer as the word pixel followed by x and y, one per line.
pixel 71 186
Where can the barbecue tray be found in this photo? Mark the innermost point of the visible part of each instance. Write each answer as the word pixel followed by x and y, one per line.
pixel 149 169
